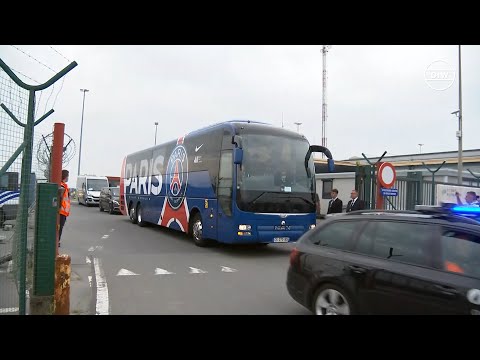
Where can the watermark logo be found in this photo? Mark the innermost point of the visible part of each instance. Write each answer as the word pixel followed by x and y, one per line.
pixel 440 75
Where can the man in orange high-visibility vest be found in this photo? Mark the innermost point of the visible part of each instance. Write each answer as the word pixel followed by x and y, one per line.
pixel 65 204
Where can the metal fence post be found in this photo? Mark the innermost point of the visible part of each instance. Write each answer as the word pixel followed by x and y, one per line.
pixel 433 179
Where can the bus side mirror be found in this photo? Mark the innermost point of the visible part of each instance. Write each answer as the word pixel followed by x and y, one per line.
pixel 237 156
pixel 331 165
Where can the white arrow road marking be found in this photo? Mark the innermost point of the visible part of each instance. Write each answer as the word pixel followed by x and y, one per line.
pixel 125 272
pixel 87 260
pixel 228 269
pixel 8 310
pixel 102 307
pixel 159 271
pixel 90 280
pixel 105 236
pixel 93 248
pixel 197 271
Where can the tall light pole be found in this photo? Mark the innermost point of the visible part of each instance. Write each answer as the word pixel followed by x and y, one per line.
pixel 421 147
pixel 324 51
pixel 459 115
pixel 460 135
pixel 81 131
pixel 298 126
pixel 156 125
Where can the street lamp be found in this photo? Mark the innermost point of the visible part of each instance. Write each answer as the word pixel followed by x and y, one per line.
pixel 298 126
pixel 421 147
pixel 81 131
pixel 459 133
pixel 156 125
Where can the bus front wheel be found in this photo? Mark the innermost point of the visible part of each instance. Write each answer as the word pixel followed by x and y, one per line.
pixel 196 229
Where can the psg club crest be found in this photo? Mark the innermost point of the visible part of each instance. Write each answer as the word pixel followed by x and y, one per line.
pixel 177 176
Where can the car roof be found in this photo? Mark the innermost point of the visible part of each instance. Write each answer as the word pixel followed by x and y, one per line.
pixel 412 216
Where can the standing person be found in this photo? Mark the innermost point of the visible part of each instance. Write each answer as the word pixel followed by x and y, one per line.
pixel 355 203
pixel 335 205
pixel 65 204
pixel 470 199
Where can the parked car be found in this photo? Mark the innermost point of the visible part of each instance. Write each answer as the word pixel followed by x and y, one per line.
pixel 109 199
pixel 388 262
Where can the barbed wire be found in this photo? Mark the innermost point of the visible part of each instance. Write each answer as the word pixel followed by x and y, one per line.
pixel 28 77
pixel 30 56
pixel 59 53
pixel 59 91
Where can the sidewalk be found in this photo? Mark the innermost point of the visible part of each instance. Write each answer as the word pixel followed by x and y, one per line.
pixel 81 296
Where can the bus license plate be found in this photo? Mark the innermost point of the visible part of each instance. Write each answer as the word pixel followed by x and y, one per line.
pixel 281 239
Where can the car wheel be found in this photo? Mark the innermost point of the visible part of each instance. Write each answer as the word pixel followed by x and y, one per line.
pixel 133 214
pixel 196 229
pixel 111 209
pixel 140 220
pixel 332 300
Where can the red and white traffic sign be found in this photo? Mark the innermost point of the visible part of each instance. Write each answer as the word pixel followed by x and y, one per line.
pixel 387 175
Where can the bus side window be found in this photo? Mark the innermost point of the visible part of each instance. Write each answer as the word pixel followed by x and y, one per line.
pixel 225 182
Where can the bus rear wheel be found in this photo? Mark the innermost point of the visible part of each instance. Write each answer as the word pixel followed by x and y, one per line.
pixel 196 229
pixel 133 214
pixel 140 220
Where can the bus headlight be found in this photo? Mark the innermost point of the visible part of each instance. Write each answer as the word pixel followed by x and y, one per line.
pixel 312 226
pixel 244 227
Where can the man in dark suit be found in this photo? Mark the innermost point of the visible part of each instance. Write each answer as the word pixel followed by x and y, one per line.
pixel 355 203
pixel 335 205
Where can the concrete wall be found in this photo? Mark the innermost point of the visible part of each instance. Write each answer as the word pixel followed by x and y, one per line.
pixel 344 182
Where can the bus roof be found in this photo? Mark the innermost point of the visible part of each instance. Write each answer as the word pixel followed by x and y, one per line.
pixel 236 127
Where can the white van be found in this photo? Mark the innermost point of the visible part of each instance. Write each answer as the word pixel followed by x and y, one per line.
pixel 89 187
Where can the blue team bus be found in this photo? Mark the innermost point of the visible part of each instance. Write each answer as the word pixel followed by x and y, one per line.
pixel 233 182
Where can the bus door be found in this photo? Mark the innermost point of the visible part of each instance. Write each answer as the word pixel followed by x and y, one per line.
pixel 225 222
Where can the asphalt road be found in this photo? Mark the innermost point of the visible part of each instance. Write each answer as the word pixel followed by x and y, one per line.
pixel 172 275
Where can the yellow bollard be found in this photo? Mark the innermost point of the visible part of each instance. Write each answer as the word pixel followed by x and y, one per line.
pixel 62 284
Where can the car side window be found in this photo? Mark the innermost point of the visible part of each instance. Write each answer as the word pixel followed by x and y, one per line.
pixel 336 235
pixel 460 252
pixel 399 241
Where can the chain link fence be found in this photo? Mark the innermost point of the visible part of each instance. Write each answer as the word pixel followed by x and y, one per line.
pixel 14 99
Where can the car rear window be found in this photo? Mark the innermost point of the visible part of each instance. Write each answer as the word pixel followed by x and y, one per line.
pixel 337 235
pixel 460 252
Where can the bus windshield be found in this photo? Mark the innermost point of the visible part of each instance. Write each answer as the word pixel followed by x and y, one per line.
pixel 273 177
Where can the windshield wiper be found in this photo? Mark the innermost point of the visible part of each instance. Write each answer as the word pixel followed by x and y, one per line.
pixel 298 197
pixel 258 197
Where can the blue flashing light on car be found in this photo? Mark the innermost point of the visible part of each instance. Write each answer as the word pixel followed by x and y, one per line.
pixel 466 210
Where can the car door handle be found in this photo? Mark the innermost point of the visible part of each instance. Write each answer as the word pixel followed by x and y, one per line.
pixel 357 269
pixel 446 290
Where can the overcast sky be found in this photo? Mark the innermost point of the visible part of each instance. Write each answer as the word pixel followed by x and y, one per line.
pixel 378 97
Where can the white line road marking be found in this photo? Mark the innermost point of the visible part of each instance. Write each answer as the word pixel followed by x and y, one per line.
pixel 228 269
pixel 125 272
pixel 90 280
pixel 102 307
pixel 105 236
pixel 197 271
pixel 87 260
pixel 91 248
pixel 8 310
pixel 112 230
pixel 159 271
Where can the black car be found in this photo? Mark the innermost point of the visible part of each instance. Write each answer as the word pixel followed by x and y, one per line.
pixel 388 262
pixel 109 199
